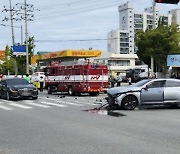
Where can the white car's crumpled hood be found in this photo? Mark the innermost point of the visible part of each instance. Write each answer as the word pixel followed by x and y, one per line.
pixel 118 90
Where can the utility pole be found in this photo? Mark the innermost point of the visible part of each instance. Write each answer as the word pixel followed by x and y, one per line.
pixel 16 27
pixel 26 36
pixel 11 18
pixel 13 41
pixel 154 27
pixel 11 10
pixel 23 11
pixel 21 35
pixel 26 17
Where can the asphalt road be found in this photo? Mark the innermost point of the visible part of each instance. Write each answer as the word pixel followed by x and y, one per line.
pixel 58 124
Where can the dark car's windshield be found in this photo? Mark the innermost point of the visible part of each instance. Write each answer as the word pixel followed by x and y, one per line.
pixel 16 82
pixel 141 83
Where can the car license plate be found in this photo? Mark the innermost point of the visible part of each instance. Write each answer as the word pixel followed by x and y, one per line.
pixel 25 89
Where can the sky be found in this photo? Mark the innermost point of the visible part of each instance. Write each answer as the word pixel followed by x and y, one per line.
pixel 69 24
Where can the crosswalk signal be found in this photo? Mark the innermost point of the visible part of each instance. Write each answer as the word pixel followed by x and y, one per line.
pixel 167 1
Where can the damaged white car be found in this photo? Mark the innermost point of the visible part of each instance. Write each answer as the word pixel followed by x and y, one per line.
pixel 146 92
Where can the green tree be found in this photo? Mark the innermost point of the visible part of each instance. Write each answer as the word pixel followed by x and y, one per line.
pixel 159 43
pixel 8 63
pixel 21 60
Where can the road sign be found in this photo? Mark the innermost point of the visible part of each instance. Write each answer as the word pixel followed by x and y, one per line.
pixel 19 50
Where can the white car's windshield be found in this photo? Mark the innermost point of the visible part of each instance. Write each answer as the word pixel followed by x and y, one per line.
pixel 141 83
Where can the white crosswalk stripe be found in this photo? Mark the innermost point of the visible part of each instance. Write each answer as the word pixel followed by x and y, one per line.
pixel 53 104
pixel 63 102
pixel 5 107
pixel 20 106
pixel 85 103
pixel 39 105
pixel 46 102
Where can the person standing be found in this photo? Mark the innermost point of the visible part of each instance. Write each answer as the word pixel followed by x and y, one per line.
pixel 178 76
pixel 27 78
pixel 173 75
pixel 112 80
pixel 118 79
pixel 129 80
pixel 41 81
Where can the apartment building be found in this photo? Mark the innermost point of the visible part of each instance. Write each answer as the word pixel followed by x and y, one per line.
pixel 130 22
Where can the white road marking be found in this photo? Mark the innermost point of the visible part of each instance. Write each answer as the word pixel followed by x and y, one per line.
pixel 5 107
pixel 6 101
pixel 65 102
pixel 85 103
pixel 20 106
pixel 69 103
pixel 53 104
pixel 39 105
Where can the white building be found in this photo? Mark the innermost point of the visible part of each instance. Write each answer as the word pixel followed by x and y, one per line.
pixel 120 42
pixel 130 22
pixel 175 16
pixel 117 62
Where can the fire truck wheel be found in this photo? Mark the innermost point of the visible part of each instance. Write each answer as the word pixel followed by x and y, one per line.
pixel 70 91
pixel 49 90
pixel 94 93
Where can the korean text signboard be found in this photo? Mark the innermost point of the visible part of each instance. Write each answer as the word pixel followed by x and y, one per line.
pixel 173 60
pixel 19 50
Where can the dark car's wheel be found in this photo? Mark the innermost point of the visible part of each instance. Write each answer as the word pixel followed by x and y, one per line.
pixel 49 90
pixel 34 98
pixel 129 102
pixel 8 97
pixel 94 93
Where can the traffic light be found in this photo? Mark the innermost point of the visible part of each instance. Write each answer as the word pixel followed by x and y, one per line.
pixel 167 1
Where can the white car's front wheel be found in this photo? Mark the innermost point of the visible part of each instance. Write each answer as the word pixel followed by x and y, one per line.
pixel 129 102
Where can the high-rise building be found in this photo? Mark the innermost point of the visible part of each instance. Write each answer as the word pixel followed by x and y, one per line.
pixel 175 16
pixel 121 41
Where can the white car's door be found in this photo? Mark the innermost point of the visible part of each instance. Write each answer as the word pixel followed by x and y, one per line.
pixel 172 92
pixel 154 93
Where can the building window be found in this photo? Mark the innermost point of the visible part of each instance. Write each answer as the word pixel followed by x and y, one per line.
pixel 119 62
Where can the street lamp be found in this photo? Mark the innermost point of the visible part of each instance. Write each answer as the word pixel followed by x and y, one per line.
pixel 16 27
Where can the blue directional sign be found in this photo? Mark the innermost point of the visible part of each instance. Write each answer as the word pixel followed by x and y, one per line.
pixel 173 60
pixel 19 49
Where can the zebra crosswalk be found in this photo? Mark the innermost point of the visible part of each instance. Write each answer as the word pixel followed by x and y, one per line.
pixel 44 102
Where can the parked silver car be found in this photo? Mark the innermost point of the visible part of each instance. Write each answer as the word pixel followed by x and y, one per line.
pixel 146 92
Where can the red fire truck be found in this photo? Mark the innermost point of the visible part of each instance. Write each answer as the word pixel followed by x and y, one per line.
pixel 76 78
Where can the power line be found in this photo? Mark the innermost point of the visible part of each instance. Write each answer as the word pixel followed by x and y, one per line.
pixel 79 40
pixel 78 10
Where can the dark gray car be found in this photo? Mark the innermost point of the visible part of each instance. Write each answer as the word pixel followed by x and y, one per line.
pixel 146 92
pixel 17 88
